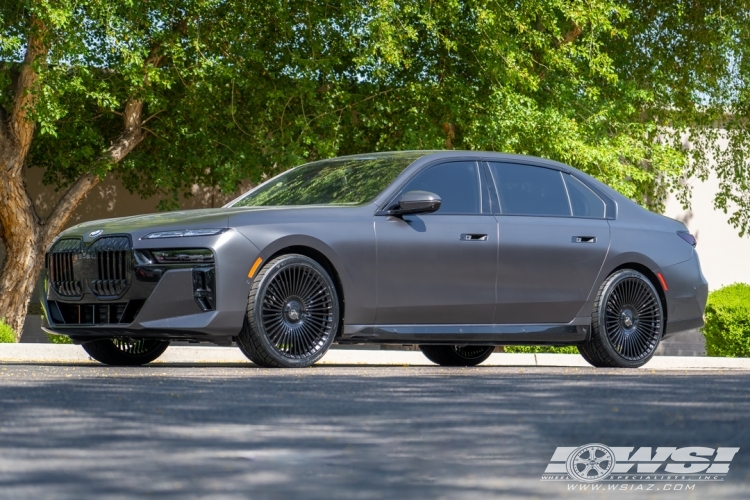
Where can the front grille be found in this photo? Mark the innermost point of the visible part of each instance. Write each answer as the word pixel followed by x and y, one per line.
pixel 61 273
pixel 113 266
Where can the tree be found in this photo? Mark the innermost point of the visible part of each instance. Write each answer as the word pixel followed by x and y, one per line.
pixel 168 94
pixel 689 60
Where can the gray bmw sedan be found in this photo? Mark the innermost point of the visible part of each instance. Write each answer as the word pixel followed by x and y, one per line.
pixel 454 251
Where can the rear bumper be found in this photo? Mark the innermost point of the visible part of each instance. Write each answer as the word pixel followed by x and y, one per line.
pixel 686 297
pixel 674 327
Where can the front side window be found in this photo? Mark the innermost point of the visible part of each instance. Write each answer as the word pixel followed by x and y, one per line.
pixel 340 181
pixel 528 190
pixel 456 183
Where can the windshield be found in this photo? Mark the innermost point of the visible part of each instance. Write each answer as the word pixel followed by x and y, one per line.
pixel 351 180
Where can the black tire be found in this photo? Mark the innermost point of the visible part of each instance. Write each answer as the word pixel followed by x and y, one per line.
pixel 590 357
pixel 453 355
pixel 293 314
pixel 627 322
pixel 120 352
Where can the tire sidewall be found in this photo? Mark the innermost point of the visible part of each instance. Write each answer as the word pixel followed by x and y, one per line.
pixel 255 314
pixel 609 285
pixel 446 355
pixel 488 350
pixel 105 351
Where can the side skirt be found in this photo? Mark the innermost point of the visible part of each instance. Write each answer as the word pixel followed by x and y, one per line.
pixel 544 334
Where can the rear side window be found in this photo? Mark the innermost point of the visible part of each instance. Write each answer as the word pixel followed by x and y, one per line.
pixel 583 201
pixel 528 190
pixel 456 183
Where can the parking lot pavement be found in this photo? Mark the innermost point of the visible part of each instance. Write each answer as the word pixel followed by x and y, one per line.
pixel 348 432
pixel 232 356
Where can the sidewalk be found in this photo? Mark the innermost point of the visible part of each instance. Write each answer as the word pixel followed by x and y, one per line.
pixel 209 355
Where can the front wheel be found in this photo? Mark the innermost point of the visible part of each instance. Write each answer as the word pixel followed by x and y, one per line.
pixel 626 323
pixel 121 352
pixel 454 355
pixel 293 314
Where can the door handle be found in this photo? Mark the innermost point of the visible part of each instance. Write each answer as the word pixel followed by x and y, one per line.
pixel 584 239
pixel 473 237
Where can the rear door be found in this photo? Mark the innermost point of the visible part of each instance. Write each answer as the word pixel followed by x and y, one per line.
pixel 553 238
pixel 439 268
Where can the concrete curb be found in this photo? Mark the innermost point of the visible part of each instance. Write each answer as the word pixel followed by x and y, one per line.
pixel 181 355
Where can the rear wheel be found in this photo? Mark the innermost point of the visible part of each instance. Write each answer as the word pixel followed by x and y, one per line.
pixel 292 314
pixel 122 352
pixel 627 322
pixel 453 355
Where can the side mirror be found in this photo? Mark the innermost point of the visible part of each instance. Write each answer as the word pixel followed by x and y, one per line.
pixel 416 202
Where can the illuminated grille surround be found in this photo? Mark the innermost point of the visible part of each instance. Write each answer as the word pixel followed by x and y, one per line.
pixel 106 266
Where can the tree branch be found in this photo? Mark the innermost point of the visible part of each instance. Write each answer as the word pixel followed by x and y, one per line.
pixel 67 204
pixel 20 127
pixel 131 135
pixel 571 35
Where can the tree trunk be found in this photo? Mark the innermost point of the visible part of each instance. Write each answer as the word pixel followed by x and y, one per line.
pixel 24 252
pixel 22 263
pixel 20 225
pixel 25 234
pixel 26 240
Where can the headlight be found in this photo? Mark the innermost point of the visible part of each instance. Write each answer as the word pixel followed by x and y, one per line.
pixel 178 255
pixel 183 233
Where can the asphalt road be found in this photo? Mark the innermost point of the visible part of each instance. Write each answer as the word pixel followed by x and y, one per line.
pixel 348 432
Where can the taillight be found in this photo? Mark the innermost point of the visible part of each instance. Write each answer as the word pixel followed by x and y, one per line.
pixel 687 237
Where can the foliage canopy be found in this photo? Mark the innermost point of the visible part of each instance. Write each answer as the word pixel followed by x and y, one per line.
pixel 243 89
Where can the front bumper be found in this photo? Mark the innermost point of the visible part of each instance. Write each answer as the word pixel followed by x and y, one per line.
pixel 167 304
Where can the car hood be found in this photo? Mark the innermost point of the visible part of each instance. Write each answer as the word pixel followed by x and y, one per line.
pixel 140 225
pixel 211 218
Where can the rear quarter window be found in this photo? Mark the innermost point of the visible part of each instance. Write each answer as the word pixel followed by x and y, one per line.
pixel 583 201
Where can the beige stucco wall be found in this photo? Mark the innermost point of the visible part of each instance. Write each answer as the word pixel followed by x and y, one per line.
pixel 110 199
pixel 725 257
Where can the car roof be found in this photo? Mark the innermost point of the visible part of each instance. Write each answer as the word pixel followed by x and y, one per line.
pixel 430 155
pixel 422 158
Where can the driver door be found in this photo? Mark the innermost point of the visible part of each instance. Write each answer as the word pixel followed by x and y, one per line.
pixel 439 268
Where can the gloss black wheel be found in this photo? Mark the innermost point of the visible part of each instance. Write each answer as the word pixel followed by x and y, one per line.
pixel 453 355
pixel 125 352
pixel 627 321
pixel 293 313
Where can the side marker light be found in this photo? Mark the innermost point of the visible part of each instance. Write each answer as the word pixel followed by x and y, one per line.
pixel 662 281
pixel 255 267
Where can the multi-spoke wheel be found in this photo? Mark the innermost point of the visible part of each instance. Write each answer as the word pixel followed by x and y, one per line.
pixel 627 322
pixel 126 352
pixel 454 355
pixel 292 313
